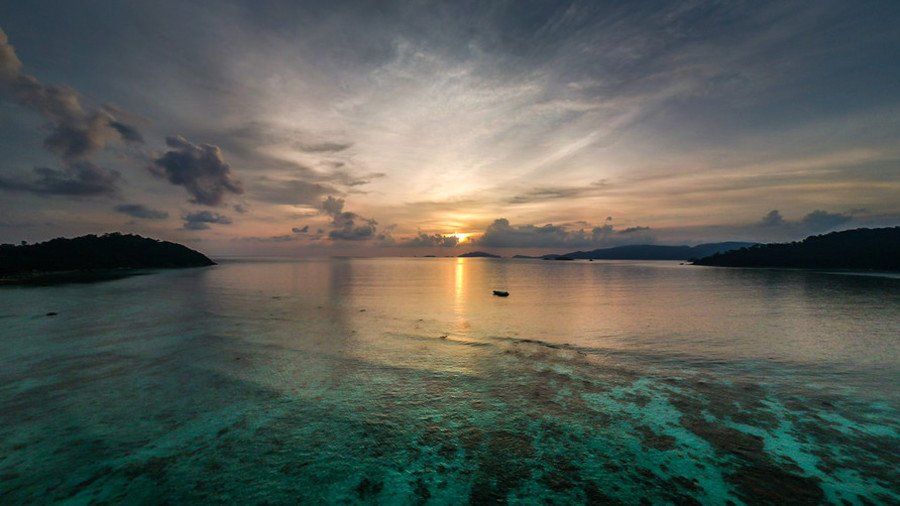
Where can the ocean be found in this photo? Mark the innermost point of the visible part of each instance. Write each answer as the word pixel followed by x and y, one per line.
pixel 405 381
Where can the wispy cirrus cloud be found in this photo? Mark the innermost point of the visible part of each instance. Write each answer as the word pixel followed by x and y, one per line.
pixel 545 193
pixel 296 192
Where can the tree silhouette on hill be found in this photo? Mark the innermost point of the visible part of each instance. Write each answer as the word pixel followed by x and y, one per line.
pixel 93 252
pixel 862 248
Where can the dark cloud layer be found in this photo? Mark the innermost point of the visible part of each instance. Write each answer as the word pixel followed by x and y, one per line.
pixel 77 179
pixel 201 169
pixel 772 219
pixel 75 133
pixel 201 220
pixel 141 211
pixel 815 222
pixel 432 240
pixel 127 132
pixel 502 234
pixel 631 230
pixel 823 221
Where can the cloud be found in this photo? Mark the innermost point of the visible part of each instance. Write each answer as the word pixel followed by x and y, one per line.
pixel 349 180
pixel 141 211
pixel 75 133
pixel 200 220
pixel 502 234
pixel 199 168
pixel 349 226
pixel 127 132
pixel 332 206
pixel 823 221
pixel 297 234
pixel 276 238
pixel 772 219
pixel 77 179
pixel 432 240
pixel 260 133
pixel 601 232
pixel 812 223
pixel 322 147
pixel 544 193
pixel 10 65
pixel 274 148
pixel 294 192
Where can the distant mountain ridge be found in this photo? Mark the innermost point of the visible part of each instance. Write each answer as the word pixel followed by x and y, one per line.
pixel 862 248
pixel 479 254
pixel 92 252
pixel 633 252
pixel 652 252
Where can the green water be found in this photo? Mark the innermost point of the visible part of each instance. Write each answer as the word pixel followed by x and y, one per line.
pixel 403 381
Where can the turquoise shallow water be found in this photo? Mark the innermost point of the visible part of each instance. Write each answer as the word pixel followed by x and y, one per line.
pixel 403 381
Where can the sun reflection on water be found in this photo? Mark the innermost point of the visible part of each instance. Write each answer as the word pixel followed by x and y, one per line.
pixel 459 277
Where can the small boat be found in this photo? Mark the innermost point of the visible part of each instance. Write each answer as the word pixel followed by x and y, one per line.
pixel 501 293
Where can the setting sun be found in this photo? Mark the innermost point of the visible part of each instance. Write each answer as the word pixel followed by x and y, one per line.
pixel 462 237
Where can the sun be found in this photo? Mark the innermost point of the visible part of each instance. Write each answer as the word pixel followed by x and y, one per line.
pixel 462 237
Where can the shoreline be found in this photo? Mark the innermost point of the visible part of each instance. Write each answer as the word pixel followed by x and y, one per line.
pixel 49 278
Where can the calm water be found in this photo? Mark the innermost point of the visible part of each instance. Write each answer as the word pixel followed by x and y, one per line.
pixel 404 381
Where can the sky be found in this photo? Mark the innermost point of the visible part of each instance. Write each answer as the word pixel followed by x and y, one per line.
pixel 409 128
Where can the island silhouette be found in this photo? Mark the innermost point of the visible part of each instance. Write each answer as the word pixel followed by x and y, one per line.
pixel 479 254
pixel 113 255
pixel 93 257
pixel 862 248
pixel 646 252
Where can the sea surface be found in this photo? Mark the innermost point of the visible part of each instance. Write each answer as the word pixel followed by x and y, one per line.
pixel 404 381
